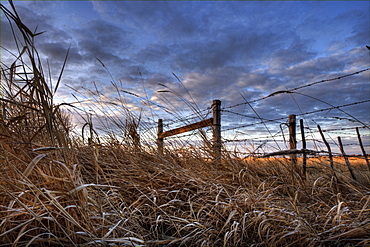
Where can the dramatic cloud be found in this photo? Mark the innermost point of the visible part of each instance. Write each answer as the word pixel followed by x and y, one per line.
pixel 232 51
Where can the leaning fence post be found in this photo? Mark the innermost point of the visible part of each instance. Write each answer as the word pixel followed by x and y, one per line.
pixel 346 158
pixel 329 149
pixel 292 136
pixel 362 148
pixel 160 140
pixel 216 131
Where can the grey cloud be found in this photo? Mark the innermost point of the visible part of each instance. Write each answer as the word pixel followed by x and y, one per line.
pixel 158 78
pixel 141 15
pixel 55 51
pixel 198 25
pixel 258 81
pixel 133 74
pixel 153 54
pixel 315 67
pixel 361 36
pixel 201 56
pixel 358 57
pixel 237 47
pixel 102 36
pixel 218 49
pixel 284 58
pixel 327 67
pixel 215 84
pixel 167 19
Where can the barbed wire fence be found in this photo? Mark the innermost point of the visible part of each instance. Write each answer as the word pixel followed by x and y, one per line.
pixel 254 135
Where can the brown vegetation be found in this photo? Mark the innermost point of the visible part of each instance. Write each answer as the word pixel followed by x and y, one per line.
pixel 55 190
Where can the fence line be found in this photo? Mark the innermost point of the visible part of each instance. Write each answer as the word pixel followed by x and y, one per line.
pixel 191 117
pixel 284 118
pixel 266 141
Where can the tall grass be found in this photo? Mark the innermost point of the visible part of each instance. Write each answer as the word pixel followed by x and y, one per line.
pixel 59 189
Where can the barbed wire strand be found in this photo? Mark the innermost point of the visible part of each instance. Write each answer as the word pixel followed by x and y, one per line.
pixel 197 114
pixel 294 89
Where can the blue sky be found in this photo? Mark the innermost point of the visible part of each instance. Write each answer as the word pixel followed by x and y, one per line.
pixel 230 51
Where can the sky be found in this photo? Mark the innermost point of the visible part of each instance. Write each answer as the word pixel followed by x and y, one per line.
pixel 236 51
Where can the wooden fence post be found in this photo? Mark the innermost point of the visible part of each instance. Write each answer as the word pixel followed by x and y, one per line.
pixel 216 131
pixel 329 150
pixel 346 158
pixel 292 136
pixel 362 148
pixel 303 147
pixel 160 140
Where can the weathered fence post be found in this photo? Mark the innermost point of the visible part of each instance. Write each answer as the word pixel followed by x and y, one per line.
pixel 216 131
pixel 329 149
pixel 292 136
pixel 215 122
pixel 160 140
pixel 346 158
pixel 362 148
pixel 303 147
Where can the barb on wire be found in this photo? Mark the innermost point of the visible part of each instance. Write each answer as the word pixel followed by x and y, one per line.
pixel 329 130
pixel 180 120
pixel 192 133
pixel 294 89
pixel 327 80
pixel 334 107
pixel 293 151
pixel 338 108
pixel 252 124
pixel 258 139
pixel 243 115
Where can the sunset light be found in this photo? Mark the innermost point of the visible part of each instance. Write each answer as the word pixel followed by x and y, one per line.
pixel 185 123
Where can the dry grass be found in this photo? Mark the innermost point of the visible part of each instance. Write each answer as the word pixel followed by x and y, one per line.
pixel 56 190
pixel 81 197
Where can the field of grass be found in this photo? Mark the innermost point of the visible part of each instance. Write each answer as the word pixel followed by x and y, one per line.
pixel 111 195
pixel 56 190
